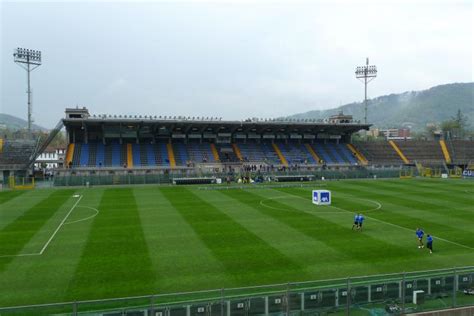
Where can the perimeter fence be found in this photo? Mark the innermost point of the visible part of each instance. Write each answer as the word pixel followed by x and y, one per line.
pixel 390 294
pixel 131 178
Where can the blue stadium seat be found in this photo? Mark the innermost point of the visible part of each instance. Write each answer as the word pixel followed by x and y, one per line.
pixel 150 154
pixel 100 158
pixel 136 155
pixel 116 148
pixel 84 159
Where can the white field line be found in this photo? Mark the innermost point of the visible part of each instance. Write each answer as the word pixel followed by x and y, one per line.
pixel 379 206
pixel 408 229
pixel 60 225
pixel 50 238
pixel 86 218
pixel 21 255
pixel 390 224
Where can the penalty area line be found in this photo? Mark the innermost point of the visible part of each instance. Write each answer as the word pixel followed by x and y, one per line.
pixel 50 238
pixel 60 225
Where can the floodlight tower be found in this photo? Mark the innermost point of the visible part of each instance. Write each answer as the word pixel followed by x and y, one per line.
pixel 29 60
pixel 366 74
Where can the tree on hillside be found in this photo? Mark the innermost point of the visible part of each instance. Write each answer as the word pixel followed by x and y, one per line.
pixel 59 140
pixel 430 130
pixel 461 120
pixel 456 126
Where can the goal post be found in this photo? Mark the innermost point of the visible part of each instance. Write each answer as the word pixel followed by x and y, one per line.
pixel 21 183
pixel 406 173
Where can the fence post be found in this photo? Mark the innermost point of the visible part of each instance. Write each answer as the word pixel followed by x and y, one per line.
pixel 403 293
pixel 222 302
pixel 455 286
pixel 74 308
pixel 288 299
pixel 348 297
pixel 152 305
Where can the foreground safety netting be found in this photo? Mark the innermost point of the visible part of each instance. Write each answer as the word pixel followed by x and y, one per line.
pixel 390 294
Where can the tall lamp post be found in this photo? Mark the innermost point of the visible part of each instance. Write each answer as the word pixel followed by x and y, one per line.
pixel 29 60
pixel 366 74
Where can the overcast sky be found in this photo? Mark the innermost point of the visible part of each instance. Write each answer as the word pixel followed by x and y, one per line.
pixel 233 59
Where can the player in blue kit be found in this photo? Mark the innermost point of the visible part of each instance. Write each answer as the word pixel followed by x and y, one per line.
pixel 429 242
pixel 361 221
pixel 356 221
pixel 419 235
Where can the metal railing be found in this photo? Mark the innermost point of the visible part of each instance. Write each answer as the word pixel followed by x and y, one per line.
pixel 389 294
pixel 164 178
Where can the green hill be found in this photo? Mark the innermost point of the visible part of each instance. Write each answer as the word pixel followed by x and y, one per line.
pixel 15 123
pixel 414 108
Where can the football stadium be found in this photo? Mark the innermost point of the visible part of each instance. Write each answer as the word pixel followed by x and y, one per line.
pixel 134 197
pixel 201 216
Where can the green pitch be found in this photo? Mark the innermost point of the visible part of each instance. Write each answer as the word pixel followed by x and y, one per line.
pixel 78 244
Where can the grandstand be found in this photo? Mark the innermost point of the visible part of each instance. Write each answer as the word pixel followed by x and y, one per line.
pixel 18 155
pixel 109 143
pixel 15 154
pixel 120 145
pixel 115 143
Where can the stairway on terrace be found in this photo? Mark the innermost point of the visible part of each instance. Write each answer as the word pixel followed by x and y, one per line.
pixel 424 152
pixel 379 152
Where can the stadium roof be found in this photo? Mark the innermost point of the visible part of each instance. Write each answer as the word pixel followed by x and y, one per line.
pixel 337 124
pixel 216 126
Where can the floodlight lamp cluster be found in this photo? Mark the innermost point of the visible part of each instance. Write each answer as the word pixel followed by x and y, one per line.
pixel 154 117
pixel 24 55
pixel 281 120
pixel 366 71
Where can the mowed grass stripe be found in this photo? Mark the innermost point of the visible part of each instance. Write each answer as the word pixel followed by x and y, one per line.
pixel 437 200
pixel 437 186
pixel 11 209
pixel 23 282
pixel 173 244
pixel 442 220
pixel 286 239
pixel 325 231
pixel 8 195
pixel 18 233
pixel 459 185
pixel 247 258
pixel 115 261
pixel 410 216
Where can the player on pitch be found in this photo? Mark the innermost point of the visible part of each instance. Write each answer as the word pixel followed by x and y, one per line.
pixel 356 221
pixel 419 235
pixel 429 242
pixel 361 221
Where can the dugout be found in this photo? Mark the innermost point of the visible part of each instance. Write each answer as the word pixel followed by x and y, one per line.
pixel 295 178
pixel 180 181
